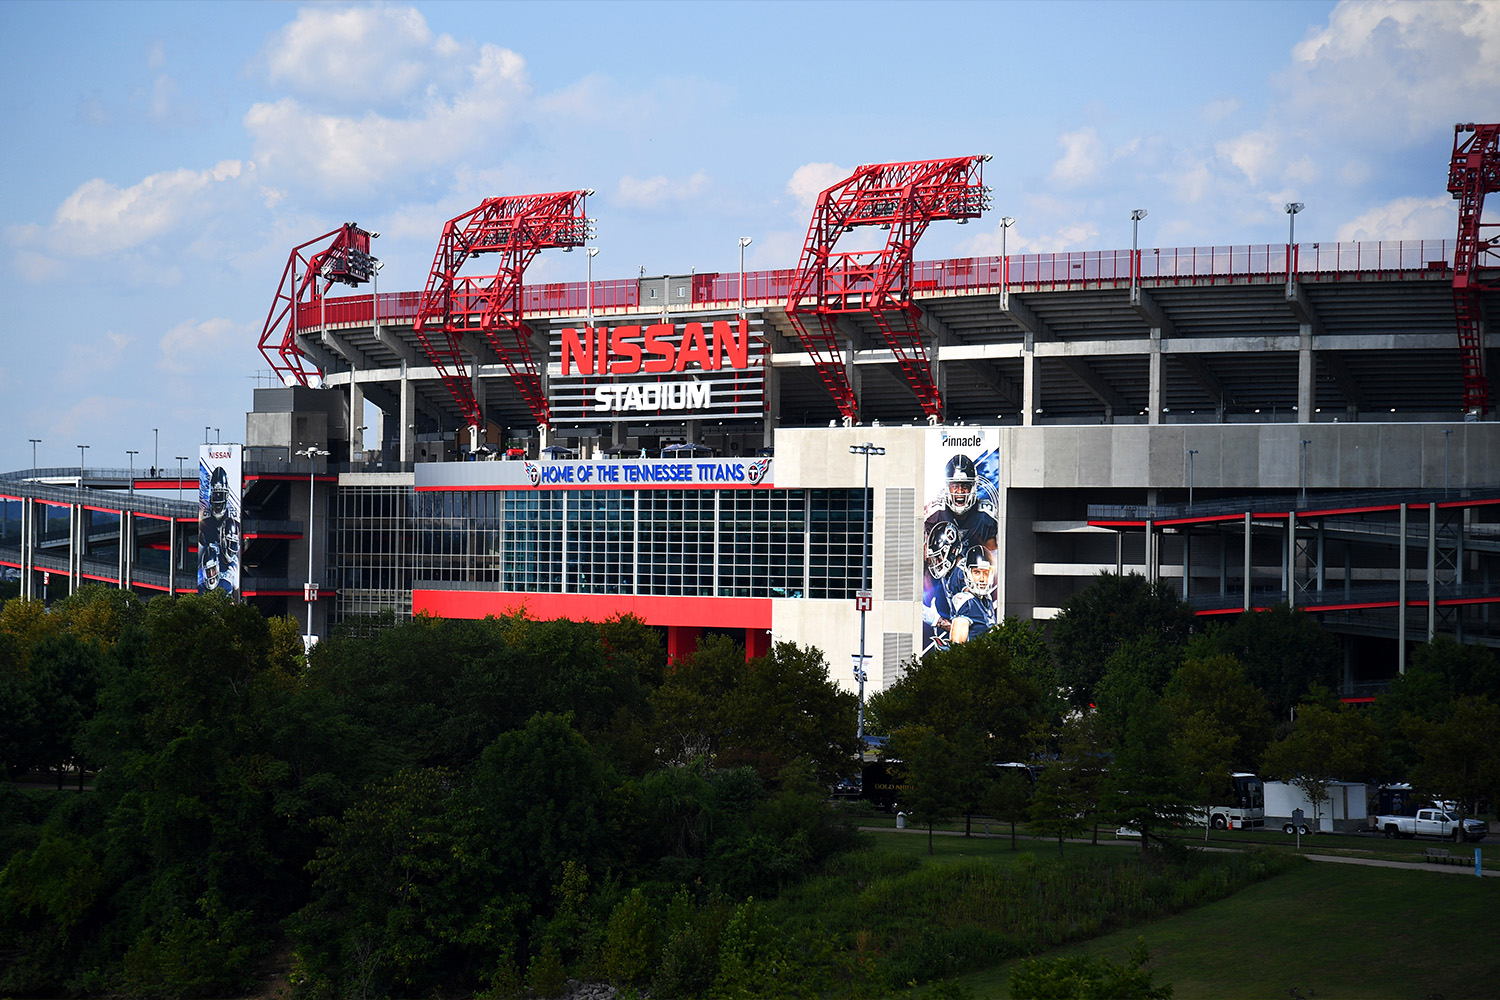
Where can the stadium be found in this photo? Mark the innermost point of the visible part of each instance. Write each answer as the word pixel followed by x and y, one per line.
pixel 866 452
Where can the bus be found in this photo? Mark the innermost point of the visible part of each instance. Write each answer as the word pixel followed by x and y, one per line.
pixel 1245 810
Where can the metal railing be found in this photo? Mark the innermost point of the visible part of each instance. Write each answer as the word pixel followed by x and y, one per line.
pixel 973 275
pixel 1313 503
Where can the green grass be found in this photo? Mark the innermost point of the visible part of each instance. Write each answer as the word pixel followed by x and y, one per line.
pixel 1329 930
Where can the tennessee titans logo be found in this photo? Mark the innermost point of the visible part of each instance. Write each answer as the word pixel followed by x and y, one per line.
pixel 534 474
pixel 758 469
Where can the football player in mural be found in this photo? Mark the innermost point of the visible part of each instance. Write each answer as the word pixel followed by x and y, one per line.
pixel 974 605
pixel 218 537
pixel 941 574
pixel 967 503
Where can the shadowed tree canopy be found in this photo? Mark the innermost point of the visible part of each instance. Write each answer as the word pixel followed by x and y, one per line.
pixel 1112 611
pixel 1284 652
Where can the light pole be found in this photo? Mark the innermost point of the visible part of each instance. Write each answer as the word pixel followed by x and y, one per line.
pixel 34 443
pixel 591 253
pixel 864 598
pixel 310 592
pixel 156 450
pixel 1303 491
pixel 1136 215
pixel 1190 453
pixel 744 242
pixel 132 452
pixel 180 460
pixel 206 429
pixel 1005 223
pixel 80 465
pixel 1292 208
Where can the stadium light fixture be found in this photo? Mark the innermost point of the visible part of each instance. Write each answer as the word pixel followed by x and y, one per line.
pixel 34 443
pixel 132 452
pixel 1136 215
pixel 1292 208
pixel 863 599
pixel 81 449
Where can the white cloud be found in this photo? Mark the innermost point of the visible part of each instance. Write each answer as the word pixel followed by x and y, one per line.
pixel 812 179
pixel 1083 155
pixel 649 191
pixel 1254 153
pixel 1217 111
pixel 343 152
pixel 356 54
pixel 190 346
pixel 1402 219
pixel 1395 71
pixel 100 217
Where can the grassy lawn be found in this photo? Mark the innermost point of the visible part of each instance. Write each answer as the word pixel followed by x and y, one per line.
pixel 1327 930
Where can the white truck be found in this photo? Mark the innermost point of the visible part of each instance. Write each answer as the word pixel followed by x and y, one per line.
pixel 1431 823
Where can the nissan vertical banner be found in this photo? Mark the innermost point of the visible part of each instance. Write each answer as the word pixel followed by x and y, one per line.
pixel 219 518
pixel 959 578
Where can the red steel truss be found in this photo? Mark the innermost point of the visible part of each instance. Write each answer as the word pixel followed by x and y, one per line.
pixel 902 198
pixel 1473 172
pixel 518 228
pixel 346 260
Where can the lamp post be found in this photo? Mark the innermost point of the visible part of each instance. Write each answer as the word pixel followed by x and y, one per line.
pixel 1005 223
pixel 1136 215
pixel 156 450
pixel 744 242
pixel 80 464
pixel 864 598
pixel 1190 453
pixel 310 592
pixel 34 443
pixel 591 252
pixel 180 460
pixel 132 452
pixel 1292 208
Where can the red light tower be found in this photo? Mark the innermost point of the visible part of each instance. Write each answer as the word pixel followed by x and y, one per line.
pixel 517 228
pixel 346 259
pixel 902 198
pixel 1473 172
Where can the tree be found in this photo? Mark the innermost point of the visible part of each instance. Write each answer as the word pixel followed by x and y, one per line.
pixel 1008 799
pixel 1216 687
pixel 1110 611
pixel 1325 744
pixel 1466 668
pixel 934 773
pixel 1284 651
pixel 1459 756
pixel 786 708
pixel 1143 788
pixel 1057 809
pixel 1204 749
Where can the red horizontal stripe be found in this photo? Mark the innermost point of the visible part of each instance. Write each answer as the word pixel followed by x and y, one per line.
pixel 714 612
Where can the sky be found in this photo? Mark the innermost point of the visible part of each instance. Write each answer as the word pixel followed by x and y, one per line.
pixel 159 161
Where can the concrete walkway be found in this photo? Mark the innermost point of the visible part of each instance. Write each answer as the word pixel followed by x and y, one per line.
pixel 1464 869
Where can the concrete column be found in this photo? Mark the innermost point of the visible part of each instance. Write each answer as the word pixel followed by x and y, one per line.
pixel 681 640
pixel 171 555
pixel 773 405
pixel 1187 564
pixel 1031 385
pixel 1401 595
pixel 1156 389
pixel 1289 576
pixel 856 382
pixel 356 419
pixel 1307 371
pixel 757 643
pixel 407 417
pixel 1431 571
pixel 1247 560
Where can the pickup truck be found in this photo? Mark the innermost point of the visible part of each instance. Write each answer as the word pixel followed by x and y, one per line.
pixel 1431 823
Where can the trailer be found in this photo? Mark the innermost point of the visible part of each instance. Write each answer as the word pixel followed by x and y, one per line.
pixel 1346 810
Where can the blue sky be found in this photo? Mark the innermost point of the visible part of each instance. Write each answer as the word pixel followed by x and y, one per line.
pixel 159 161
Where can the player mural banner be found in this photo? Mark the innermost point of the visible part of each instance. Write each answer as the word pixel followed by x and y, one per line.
pixel 960 528
pixel 219 518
